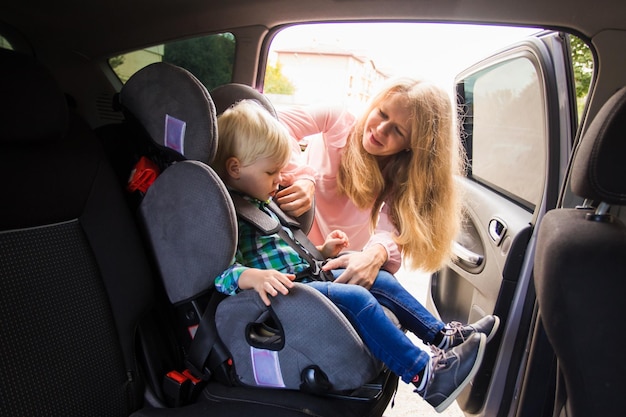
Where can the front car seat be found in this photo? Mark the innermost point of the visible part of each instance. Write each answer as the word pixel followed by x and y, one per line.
pixel 580 272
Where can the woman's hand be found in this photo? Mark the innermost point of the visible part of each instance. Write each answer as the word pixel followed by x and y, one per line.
pixel 297 198
pixel 266 282
pixel 361 268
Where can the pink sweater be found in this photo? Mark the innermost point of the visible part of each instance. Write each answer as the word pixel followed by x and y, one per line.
pixel 331 127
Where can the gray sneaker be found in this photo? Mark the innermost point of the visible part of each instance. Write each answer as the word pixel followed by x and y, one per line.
pixel 456 333
pixel 451 371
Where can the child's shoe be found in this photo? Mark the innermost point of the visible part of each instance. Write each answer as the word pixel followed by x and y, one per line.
pixel 455 333
pixel 449 372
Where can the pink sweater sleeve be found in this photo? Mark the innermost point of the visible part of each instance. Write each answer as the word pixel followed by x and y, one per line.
pixel 334 122
pixel 383 235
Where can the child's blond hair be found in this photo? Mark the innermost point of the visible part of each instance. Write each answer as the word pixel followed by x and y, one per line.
pixel 248 132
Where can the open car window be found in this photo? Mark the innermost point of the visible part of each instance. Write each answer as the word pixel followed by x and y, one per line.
pixel 345 63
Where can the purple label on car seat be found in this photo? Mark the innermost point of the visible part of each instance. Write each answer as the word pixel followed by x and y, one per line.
pixel 175 133
pixel 266 368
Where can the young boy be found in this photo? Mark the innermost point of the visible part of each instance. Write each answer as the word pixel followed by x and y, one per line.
pixel 253 148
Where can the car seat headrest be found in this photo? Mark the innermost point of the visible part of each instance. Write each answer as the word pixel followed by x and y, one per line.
pixel 599 170
pixel 227 95
pixel 174 108
pixel 33 107
pixel 191 224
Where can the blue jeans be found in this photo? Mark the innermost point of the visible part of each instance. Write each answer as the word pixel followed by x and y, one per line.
pixel 387 343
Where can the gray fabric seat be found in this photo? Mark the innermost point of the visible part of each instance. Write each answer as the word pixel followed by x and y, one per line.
pixel 580 269
pixel 75 284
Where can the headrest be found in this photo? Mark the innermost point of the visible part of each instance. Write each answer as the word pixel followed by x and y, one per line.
pixel 226 95
pixel 599 170
pixel 174 108
pixel 33 107
pixel 192 227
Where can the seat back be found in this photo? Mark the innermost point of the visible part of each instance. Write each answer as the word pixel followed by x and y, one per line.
pixel 74 281
pixel 580 267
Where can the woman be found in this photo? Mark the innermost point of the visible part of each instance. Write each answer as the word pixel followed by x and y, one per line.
pixel 386 178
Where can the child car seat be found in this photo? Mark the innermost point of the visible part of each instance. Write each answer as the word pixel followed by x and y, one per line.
pixel 190 224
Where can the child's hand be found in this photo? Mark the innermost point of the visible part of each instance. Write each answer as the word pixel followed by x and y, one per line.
pixel 266 282
pixel 335 242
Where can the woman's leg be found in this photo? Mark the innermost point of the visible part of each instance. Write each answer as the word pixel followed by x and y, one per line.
pixel 409 311
pixel 386 342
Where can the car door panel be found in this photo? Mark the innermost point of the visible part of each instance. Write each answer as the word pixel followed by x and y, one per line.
pixel 472 283
pixel 516 125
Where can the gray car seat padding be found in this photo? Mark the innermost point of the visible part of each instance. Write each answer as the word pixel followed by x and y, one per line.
pixel 228 95
pixel 161 90
pixel 192 227
pixel 315 333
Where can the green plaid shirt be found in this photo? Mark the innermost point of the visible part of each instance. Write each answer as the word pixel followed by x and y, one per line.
pixel 256 250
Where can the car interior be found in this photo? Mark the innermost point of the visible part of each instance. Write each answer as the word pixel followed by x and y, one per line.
pixel 114 224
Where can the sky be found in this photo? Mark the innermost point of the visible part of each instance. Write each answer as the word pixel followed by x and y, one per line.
pixel 437 52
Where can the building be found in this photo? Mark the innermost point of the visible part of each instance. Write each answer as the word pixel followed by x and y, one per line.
pixel 327 74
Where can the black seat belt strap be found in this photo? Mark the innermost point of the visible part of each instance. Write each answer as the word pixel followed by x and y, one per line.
pixel 205 352
pixel 268 225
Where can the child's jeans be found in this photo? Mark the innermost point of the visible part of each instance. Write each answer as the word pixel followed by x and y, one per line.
pixel 386 342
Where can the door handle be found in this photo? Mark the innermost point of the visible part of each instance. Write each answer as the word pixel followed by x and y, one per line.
pixel 497 230
pixel 466 256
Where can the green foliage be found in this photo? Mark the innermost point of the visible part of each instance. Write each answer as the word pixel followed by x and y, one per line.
pixel 582 61
pixel 116 61
pixel 276 82
pixel 209 58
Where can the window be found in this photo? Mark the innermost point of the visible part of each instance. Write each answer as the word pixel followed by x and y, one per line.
pixel 4 43
pixel 346 63
pixel 505 128
pixel 209 58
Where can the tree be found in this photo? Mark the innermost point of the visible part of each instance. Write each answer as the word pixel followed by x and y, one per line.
pixel 276 82
pixel 116 61
pixel 209 58
pixel 582 61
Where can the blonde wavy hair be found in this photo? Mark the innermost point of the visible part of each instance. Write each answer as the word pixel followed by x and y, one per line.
pixel 249 132
pixel 418 185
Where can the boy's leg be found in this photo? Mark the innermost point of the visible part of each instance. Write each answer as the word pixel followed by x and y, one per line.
pixel 386 342
pixel 440 379
pixel 417 319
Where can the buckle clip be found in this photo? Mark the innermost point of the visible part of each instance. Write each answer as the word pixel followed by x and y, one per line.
pixel 176 388
pixel 181 388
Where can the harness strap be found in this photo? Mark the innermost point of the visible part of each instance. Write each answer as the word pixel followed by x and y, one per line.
pixel 268 225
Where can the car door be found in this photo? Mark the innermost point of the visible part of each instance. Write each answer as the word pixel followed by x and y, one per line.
pixel 517 113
